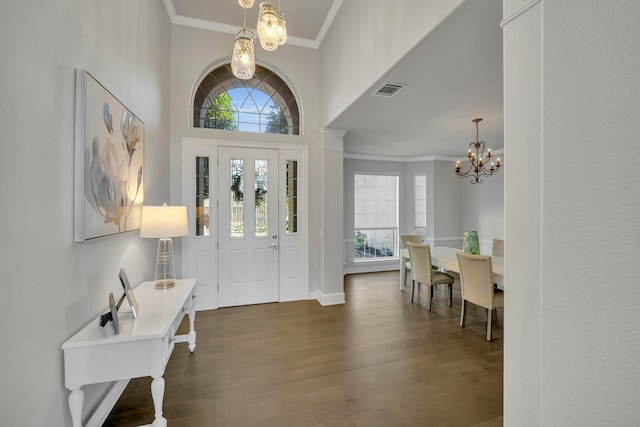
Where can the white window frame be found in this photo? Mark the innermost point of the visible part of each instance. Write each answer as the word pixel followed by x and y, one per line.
pixel 379 238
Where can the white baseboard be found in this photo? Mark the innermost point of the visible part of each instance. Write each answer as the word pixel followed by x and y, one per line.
pixel 372 268
pixel 330 299
pixel 104 409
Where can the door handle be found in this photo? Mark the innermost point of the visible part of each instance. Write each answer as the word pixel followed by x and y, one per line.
pixel 273 246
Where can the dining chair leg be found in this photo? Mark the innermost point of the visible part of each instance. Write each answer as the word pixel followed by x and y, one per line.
pixel 450 295
pixel 430 296
pixel 463 312
pixel 490 327
pixel 413 285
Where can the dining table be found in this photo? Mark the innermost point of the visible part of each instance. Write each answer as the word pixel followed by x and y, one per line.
pixel 444 258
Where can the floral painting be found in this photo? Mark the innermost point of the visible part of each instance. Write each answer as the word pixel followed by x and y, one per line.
pixel 109 163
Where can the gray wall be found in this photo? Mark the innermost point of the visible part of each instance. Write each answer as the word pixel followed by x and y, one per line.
pixel 51 286
pixel 484 208
pixel 355 53
pixel 351 167
pixel 448 205
pixel 454 205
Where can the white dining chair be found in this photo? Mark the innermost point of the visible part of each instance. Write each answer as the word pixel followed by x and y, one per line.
pixel 422 273
pixel 406 264
pixel 476 287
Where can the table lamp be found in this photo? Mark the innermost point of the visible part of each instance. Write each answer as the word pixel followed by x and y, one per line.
pixel 164 222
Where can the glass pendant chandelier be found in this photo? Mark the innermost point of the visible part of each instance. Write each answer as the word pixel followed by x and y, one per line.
pixel 247 4
pixel 282 28
pixel 477 164
pixel 268 26
pixel 243 60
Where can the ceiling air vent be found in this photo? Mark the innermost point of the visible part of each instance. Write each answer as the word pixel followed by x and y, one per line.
pixel 389 89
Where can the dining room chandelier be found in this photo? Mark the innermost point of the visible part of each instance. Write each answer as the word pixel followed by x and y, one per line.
pixel 477 161
pixel 243 59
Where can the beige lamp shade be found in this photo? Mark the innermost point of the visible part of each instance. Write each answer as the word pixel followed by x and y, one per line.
pixel 164 221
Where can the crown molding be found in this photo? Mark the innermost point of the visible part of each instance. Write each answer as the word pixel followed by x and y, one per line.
pixel 327 22
pixel 203 24
pixel 399 159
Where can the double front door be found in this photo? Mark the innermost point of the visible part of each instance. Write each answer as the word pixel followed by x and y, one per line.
pixel 238 199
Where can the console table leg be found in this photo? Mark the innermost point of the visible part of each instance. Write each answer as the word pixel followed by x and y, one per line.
pixel 157 393
pixel 191 337
pixel 76 401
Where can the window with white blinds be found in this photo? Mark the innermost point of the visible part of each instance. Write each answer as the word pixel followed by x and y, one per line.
pixel 375 216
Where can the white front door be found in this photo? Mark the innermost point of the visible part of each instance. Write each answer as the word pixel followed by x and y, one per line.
pixel 229 258
pixel 247 226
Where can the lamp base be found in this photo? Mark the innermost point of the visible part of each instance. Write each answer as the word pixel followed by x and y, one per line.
pixel 165 275
pixel 165 284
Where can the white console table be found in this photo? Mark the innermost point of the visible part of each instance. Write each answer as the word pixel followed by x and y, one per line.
pixel 142 348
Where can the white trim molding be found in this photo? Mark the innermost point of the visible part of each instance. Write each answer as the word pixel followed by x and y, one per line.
pixel 410 159
pixel 204 24
pixel 518 12
pixel 330 299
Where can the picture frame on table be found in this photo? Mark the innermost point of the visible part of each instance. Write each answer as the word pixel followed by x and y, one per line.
pixel 128 292
pixel 114 313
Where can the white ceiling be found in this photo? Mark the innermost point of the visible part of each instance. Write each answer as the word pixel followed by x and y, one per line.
pixel 453 76
pixel 307 20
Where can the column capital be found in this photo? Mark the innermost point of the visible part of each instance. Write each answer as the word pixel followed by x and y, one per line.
pixel 340 133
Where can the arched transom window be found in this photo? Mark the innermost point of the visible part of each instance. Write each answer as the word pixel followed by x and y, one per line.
pixel 262 104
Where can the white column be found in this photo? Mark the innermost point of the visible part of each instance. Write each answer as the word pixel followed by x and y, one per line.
pixel 522 43
pixel 572 96
pixel 330 204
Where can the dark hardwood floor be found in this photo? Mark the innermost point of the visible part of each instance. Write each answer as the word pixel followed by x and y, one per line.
pixel 377 360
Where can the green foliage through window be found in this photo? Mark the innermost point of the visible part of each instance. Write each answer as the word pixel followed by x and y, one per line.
pixel 277 121
pixel 220 114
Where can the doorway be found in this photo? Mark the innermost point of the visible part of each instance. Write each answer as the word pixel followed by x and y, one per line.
pixel 247 241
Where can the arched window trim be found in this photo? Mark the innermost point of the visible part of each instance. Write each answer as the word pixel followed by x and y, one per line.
pixel 277 96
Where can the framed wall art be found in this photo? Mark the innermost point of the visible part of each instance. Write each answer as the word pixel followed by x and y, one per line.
pixel 109 158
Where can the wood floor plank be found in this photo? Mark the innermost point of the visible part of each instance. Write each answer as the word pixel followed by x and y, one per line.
pixel 377 360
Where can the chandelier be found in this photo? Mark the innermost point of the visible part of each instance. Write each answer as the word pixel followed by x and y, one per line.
pixel 477 161
pixel 243 59
pixel 272 32
pixel 282 27
pixel 268 28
